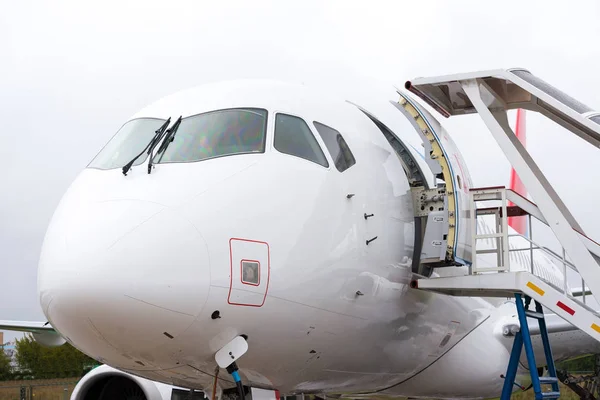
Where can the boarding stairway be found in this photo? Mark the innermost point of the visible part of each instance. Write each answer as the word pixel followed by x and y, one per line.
pixel 491 94
pixel 526 286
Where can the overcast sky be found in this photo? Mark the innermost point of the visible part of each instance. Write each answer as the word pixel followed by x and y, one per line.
pixel 71 74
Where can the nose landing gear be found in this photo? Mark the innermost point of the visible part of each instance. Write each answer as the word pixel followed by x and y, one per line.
pixel 226 358
pixel 586 387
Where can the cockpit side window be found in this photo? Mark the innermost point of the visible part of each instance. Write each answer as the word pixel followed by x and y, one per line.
pixel 127 143
pixel 294 137
pixel 216 134
pixel 337 146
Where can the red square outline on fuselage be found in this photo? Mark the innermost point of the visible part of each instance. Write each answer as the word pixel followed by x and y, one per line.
pixel 231 272
pixel 242 272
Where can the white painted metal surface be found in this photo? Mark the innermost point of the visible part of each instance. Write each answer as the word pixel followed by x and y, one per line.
pixel 263 394
pixel 501 228
pixel 489 94
pixel 548 201
pixel 231 352
pixel 152 390
pixel 508 89
pixel 509 283
pixel 134 269
pixel 156 250
pixel 502 281
pixel 533 210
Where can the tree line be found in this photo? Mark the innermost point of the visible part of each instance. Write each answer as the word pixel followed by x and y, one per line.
pixel 38 362
pixel 35 361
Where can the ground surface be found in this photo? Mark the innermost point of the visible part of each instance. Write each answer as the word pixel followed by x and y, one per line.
pixel 43 389
pixel 54 389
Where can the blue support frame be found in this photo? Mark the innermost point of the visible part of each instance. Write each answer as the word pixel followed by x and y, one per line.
pixel 523 339
pixel 513 365
pixel 547 348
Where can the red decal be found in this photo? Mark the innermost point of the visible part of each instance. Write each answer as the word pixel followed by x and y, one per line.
pixel 565 307
pixel 519 224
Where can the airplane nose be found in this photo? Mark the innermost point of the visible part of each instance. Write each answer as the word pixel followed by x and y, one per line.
pixel 133 273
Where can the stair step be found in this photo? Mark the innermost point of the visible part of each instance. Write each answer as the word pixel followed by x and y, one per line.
pixel 533 314
pixel 548 379
pixel 550 395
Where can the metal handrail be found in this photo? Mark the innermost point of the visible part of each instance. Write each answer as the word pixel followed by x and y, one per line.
pixel 544 249
pixel 551 253
pixel 537 246
pixel 503 250
pixel 557 257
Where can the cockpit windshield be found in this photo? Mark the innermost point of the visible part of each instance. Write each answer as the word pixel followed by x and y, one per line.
pixel 208 135
pixel 128 142
pixel 215 134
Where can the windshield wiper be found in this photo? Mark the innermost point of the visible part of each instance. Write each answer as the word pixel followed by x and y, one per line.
pixel 169 137
pixel 150 146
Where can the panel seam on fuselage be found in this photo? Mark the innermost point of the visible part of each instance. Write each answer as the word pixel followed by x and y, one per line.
pixel 156 305
pixel 434 361
pixel 296 302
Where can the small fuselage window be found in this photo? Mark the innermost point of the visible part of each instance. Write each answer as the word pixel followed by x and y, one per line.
pixel 216 134
pixel 128 142
pixel 251 272
pixel 294 137
pixel 337 146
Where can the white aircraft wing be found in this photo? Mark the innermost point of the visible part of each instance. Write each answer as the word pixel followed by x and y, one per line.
pixel 566 340
pixel 554 324
pixel 43 332
pixel 26 326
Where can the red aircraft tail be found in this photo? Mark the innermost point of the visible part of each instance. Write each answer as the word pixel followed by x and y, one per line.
pixel 519 224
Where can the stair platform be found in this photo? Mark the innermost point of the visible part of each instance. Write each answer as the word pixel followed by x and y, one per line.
pixel 491 94
pixel 506 284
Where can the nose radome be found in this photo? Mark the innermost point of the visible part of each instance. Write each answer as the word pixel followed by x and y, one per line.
pixel 127 270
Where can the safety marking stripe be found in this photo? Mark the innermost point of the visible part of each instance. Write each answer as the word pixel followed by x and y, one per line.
pixel 596 328
pixel 535 288
pixel 565 307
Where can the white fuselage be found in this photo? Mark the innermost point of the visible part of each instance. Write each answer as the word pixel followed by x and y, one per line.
pixel 134 267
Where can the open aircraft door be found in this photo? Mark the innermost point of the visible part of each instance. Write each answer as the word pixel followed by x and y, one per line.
pixel 442 213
